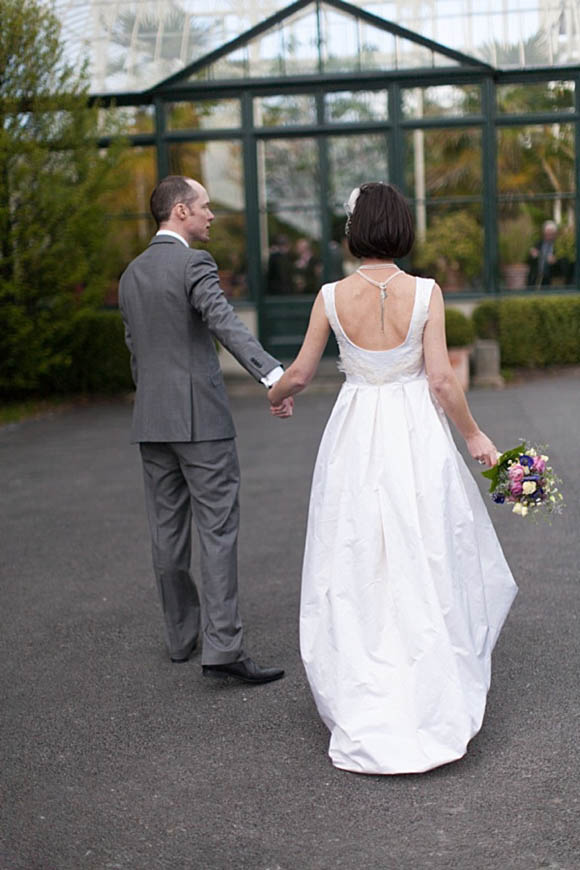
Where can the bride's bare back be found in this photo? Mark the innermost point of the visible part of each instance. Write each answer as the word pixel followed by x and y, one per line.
pixel 358 306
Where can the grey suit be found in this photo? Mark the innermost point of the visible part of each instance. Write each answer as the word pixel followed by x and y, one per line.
pixel 172 307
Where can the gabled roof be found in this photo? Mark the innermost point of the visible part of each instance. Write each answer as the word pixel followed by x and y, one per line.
pixel 319 9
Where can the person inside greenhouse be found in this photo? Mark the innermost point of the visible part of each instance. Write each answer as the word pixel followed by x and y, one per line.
pixel 405 587
pixel 542 260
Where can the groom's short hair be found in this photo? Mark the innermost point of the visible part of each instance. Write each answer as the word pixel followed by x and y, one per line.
pixel 170 191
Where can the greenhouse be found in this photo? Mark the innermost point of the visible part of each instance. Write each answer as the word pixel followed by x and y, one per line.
pixel 281 122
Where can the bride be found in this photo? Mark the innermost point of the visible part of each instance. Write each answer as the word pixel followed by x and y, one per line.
pixel 405 587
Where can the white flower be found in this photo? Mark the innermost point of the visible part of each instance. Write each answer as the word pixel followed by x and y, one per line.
pixel 351 201
pixel 529 486
pixel 517 508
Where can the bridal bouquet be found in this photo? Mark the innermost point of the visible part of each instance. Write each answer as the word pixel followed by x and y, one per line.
pixel 522 477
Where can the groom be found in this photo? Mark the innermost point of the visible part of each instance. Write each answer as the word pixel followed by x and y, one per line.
pixel 172 307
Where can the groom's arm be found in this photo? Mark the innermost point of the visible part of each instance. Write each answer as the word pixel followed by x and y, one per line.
pixel 129 342
pixel 208 299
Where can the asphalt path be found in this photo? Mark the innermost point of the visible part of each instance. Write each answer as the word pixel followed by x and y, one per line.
pixel 113 757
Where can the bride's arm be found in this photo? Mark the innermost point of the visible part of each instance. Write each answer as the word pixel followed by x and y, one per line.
pixel 444 384
pixel 300 373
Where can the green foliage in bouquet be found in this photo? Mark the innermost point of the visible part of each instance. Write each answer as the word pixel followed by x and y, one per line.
pixel 493 474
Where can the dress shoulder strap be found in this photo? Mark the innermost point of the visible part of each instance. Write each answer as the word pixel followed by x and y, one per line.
pixel 329 308
pixel 423 290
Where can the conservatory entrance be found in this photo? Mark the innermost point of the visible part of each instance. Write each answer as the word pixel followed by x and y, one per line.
pixel 281 123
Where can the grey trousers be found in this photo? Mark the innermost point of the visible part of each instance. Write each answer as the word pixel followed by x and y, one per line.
pixel 200 478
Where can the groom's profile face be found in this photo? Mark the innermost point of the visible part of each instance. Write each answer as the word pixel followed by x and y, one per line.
pixel 198 221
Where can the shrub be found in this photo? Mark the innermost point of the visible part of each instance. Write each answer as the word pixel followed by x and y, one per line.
pixel 458 328
pixel 486 319
pixel 453 241
pixel 54 230
pixel 540 331
pixel 516 236
pixel 99 359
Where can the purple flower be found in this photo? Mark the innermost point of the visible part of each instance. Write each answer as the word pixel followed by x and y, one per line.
pixel 526 460
pixel 539 464
pixel 516 472
pixel 498 497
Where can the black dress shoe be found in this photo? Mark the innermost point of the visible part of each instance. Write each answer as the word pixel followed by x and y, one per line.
pixel 246 670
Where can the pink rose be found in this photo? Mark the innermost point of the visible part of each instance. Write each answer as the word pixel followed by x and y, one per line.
pixel 516 487
pixel 539 465
pixel 516 473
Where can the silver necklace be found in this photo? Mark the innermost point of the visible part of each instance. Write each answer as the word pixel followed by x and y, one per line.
pixel 382 285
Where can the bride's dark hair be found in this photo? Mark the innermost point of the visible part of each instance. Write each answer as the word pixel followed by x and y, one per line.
pixel 381 225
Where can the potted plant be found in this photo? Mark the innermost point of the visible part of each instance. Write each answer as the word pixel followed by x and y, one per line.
pixel 460 334
pixel 452 251
pixel 515 239
pixel 565 252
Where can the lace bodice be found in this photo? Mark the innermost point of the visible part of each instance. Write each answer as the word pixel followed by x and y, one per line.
pixel 401 363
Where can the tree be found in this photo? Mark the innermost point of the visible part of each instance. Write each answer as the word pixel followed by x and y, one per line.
pixel 53 228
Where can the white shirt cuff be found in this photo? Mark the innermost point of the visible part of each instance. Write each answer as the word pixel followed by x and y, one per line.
pixel 270 379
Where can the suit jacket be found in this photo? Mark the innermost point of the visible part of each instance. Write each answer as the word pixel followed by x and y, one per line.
pixel 172 305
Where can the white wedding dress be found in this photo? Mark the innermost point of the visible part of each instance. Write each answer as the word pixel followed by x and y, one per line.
pixel 405 586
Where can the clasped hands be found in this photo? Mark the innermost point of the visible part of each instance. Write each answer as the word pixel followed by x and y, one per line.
pixel 282 409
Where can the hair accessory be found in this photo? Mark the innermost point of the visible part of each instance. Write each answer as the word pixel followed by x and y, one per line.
pixel 349 208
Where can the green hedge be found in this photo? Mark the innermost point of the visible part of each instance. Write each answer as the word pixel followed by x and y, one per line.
pixel 486 319
pixel 458 328
pixel 99 356
pixel 533 332
pixel 84 353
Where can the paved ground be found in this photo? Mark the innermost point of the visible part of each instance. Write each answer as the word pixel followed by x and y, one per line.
pixel 112 757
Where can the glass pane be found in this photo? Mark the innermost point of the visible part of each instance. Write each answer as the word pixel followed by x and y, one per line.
pixel 219 167
pixel 445 101
pixel 354 160
pixel 284 110
pixel 136 178
pixel 203 115
pixel 443 163
pixel 537 243
pixel 300 41
pixel 451 247
pixel 410 55
pixel 129 237
pixel 290 47
pixel 267 54
pixel 233 66
pixel 127 205
pixel 290 215
pixel 349 44
pixel 130 119
pixel 536 159
pixel 348 107
pixel 536 97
